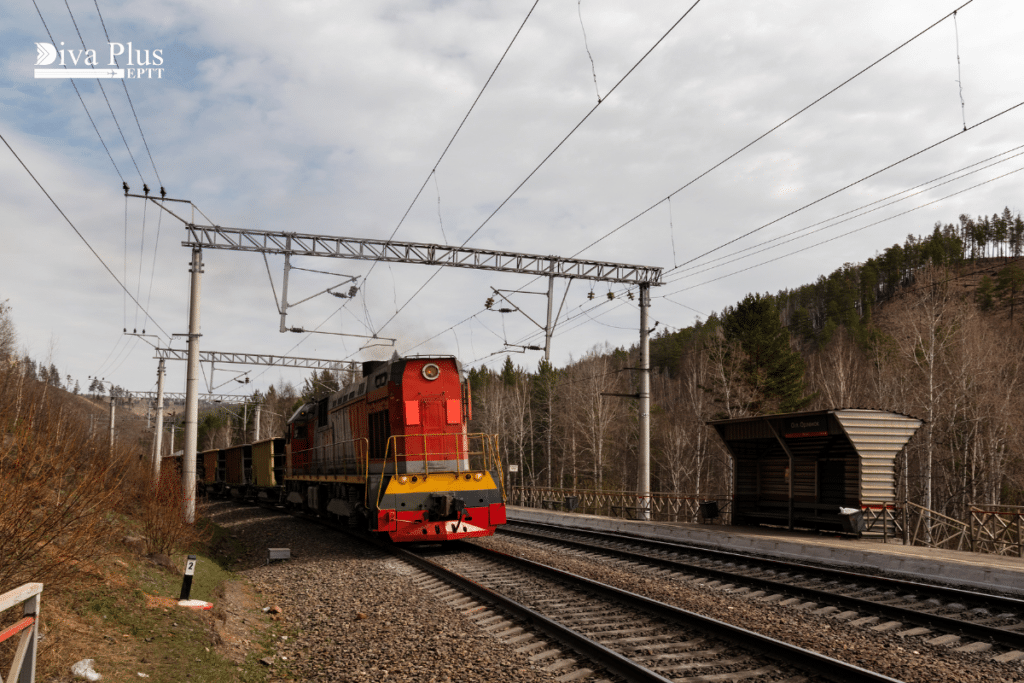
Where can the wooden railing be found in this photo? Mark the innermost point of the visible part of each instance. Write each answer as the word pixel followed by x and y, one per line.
pixel 992 529
pixel 23 668
pixel 661 507
pixel 997 529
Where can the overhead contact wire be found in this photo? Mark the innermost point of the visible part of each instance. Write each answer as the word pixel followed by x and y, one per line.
pixel 130 103
pixel 77 232
pixel 429 175
pixel 80 99
pixel 846 187
pixel 775 128
pixel 550 154
pixel 104 92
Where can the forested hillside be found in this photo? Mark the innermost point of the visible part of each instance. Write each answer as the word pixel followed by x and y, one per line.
pixel 929 328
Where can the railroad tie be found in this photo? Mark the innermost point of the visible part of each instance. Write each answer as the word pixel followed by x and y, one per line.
pixel 976 646
pixel 917 631
pixel 574 675
pixel 948 639
pixel 887 626
pixel 1011 656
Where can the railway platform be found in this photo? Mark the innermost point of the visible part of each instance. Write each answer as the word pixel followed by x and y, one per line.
pixel 961 569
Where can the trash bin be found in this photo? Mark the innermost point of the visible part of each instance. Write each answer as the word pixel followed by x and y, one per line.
pixel 571 503
pixel 708 510
pixel 853 520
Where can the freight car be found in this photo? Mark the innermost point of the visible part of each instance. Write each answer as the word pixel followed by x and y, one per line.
pixel 391 450
pixel 238 461
pixel 268 471
pixel 210 472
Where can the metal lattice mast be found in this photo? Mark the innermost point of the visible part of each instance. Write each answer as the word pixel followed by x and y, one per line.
pixel 360 249
pixel 255 359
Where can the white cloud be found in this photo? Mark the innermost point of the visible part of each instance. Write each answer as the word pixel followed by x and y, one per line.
pixel 326 118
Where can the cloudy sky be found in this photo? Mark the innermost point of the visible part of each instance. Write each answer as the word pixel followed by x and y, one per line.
pixel 328 117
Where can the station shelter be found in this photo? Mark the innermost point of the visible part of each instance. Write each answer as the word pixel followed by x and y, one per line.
pixel 814 470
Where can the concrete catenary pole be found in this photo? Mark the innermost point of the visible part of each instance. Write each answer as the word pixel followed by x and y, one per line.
pixel 112 401
pixel 158 434
pixel 644 465
pixel 547 328
pixel 256 425
pixel 188 458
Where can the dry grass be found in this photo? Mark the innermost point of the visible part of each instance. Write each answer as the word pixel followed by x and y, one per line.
pixel 66 500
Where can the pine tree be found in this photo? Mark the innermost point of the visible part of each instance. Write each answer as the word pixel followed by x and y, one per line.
pixel 1009 281
pixel 983 294
pixel 773 371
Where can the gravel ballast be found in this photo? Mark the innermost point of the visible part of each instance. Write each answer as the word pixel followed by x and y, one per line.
pixel 909 658
pixel 351 613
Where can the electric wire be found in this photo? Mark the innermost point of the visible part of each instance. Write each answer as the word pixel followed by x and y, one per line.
pixel 548 156
pixel 959 77
pixel 80 99
pixel 142 249
pixel 593 69
pixel 77 232
pixel 845 234
pixel 152 271
pixel 774 128
pixel 429 175
pixel 130 103
pixel 104 92
pixel 850 215
pixel 848 186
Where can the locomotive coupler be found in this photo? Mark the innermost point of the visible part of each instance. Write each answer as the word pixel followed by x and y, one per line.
pixel 445 506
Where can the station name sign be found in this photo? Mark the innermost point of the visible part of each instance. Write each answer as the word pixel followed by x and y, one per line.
pixel 806 428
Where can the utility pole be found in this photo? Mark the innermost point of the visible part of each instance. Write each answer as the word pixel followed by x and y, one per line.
pixel 644 466
pixel 188 458
pixel 159 432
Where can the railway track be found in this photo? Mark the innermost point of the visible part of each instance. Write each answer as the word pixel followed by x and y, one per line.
pixel 583 630
pixel 942 615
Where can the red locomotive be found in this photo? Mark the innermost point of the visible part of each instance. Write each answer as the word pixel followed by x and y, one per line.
pixel 392 451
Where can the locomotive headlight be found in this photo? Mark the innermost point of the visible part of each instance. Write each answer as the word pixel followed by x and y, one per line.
pixel 431 371
pixel 478 475
pixel 403 479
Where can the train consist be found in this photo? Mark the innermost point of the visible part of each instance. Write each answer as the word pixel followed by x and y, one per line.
pixel 390 451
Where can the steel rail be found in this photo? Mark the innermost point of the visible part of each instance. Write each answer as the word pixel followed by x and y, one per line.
pixel 613 662
pixel 1000 601
pixel 605 657
pixel 783 652
pixel 980 632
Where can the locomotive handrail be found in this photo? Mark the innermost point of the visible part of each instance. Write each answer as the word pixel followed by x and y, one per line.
pixel 487 451
pixel 23 668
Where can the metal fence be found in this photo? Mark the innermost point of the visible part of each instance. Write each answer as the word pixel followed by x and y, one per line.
pixel 991 529
pixel 23 668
